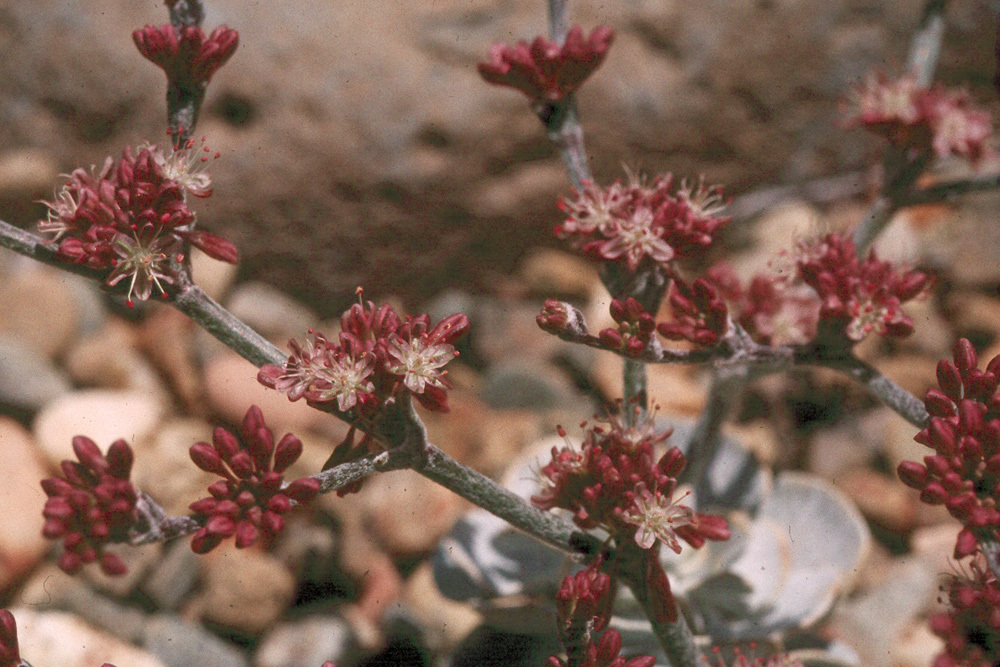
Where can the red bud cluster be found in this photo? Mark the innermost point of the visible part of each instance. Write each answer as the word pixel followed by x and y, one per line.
pixel 700 314
pixel 9 656
pixel 635 327
pixel 964 431
pixel 250 499
pixel 584 602
pixel 130 217
pixel 91 505
pixel 377 356
pixel 544 70
pixel 603 654
pixel 641 225
pixel 188 57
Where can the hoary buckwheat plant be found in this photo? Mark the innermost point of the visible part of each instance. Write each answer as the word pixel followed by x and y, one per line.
pixel 621 492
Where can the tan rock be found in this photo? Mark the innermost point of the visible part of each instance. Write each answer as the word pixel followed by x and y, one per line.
pixel 167 339
pixel 211 275
pixel 880 498
pixel 58 638
pixel 554 274
pixel 245 590
pixel 21 501
pixel 916 646
pixel 165 470
pixel 409 513
pixel 445 622
pixel 102 415
pixel 38 308
pixel 109 360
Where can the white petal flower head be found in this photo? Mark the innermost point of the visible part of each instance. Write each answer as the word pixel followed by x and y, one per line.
pixel 657 517
pixel 419 363
pixel 345 378
pixel 186 166
pixel 144 262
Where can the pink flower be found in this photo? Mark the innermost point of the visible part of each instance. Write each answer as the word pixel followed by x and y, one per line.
pixel 419 362
pixel 250 499
pixel 971 628
pixel 544 70
pixel 639 224
pixel 657 516
pixel 187 56
pixel 91 505
pixel 922 118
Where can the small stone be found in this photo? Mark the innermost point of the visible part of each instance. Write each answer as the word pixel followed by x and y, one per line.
pixel 173 578
pixel 179 643
pixel 165 470
pixel 553 274
pixel 271 312
pixel 409 513
pixel 28 380
pixel 231 386
pixel 38 308
pixel 213 276
pixel 167 339
pixel 916 646
pixel 26 176
pixel 138 560
pixel 102 415
pixel 58 638
pixel 307 643
pixel 526 386
pixel 935 545
pixel 445 622
pixel 109 360
pixel 854 444
pixel 244 590
pixel 881 498
pixel 21 501
pixel 504 435
pixel 677 390
pixel 123 621
pixel 775 234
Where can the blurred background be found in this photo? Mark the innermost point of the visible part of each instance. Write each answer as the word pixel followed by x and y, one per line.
pixel 360 147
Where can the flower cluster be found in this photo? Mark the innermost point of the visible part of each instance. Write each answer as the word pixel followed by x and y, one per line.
pixel 377 355
pixel 776 312
pixel 971 629
pixel 700 313
pixel 963 474
pixel 913 116
pixel 639 224
pixel 91 505
pixel 603 654
pixel 858 296
pixel 188 57
pixel 741 659
pixel 544 70
pixel 132 217
pixel 614 482
pixel 250 499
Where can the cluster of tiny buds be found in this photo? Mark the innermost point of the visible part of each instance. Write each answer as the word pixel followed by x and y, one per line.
pixel 91 505
pixel 921 118
pixel 546 71
pixel 700 314
pixel 186 55
pixel 635 327
pixel 963 474
pixel 250 499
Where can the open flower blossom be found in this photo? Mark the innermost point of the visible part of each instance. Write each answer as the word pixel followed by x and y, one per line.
pixel 924 118
pixel 657 516
pixel 187 56
pixel 131 218
pixel 638 224
pixel 376 356
pixel 544 70
pixel 250 499
pixel 91 505
pixel 186 166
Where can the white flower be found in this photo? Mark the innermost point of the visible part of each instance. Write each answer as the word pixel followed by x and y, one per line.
pixel 144 262
pixel 344 378
pixel 186 167
pixel 420 363
pixel 657 517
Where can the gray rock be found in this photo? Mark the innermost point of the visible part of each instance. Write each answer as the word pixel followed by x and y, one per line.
pixel 28 380
pixel 516 385
pixel 181 644
pixel 173 577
